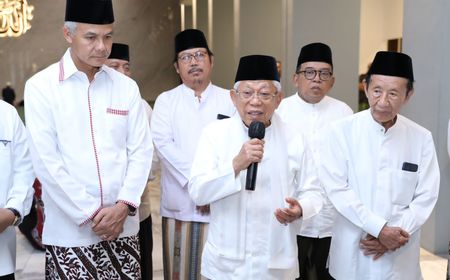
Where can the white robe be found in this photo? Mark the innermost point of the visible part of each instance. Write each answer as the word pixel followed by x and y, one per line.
pixel 178 119
pixel 362 173
pixel 245 241
pixel 310 119
pixel 91 146
pixel 16 179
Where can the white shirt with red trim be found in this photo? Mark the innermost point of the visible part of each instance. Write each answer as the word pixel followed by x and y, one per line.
pixel 91 146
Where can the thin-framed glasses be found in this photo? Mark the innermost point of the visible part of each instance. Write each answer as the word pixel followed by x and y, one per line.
pixel 311 73
pixel 187 57
pixel 248 94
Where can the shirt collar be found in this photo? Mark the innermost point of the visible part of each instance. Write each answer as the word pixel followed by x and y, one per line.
pixel 378 127
pixel 67 67
pixel 309 106
pixel 191 92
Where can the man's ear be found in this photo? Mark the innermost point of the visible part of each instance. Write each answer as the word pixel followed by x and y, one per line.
pixel 175 64
pixel 408 95
pixel 67 34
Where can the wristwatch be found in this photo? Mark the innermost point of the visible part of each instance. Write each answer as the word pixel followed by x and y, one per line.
pixel 18 218
pixel 132 210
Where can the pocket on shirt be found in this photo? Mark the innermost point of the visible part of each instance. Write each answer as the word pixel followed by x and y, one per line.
pixel 116 122
pixel 403 186
pixel 5 149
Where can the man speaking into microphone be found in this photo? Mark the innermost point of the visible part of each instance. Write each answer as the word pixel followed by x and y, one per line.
pixel 252 231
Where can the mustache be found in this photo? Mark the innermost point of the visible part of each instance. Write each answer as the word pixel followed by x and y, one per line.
pixel 195 69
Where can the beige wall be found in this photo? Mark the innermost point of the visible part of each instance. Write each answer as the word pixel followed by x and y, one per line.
pixel 148 26
pixel 381 20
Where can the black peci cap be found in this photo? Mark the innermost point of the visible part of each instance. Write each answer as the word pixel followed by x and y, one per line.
pixel 257 67
pixel 189 39
pixel 120 51
pixel 315 52
pixel 392 64
pixel 90 11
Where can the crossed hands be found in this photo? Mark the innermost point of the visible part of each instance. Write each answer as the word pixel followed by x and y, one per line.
pixel 108 223
pixel 390 238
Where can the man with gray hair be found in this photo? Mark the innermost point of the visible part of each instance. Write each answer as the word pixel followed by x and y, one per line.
pixel 252 232
pixel 91 148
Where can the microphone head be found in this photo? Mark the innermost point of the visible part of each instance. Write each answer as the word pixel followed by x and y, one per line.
pixel 256 130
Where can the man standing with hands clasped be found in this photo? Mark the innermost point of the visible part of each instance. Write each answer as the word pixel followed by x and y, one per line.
pixel 91 149
pixel 380 171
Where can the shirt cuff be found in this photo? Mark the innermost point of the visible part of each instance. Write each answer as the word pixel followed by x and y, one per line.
pixel 374 225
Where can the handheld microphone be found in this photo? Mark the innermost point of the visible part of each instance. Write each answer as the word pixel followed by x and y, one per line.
pixel 256 130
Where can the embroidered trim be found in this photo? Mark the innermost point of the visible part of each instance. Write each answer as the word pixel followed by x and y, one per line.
pixel 117 112
pixel 61 70
pixel 128 203
pixel 91 217
pixel 95 148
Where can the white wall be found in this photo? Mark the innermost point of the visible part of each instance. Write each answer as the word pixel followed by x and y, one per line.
pixel 381 20
pixel 427 39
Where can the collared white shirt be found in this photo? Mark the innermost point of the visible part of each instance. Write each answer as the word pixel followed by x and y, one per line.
pixel 177 121
pixel 91 147
pixel 245 241
pixel 310 119
pixel 374 177
pixel 16 179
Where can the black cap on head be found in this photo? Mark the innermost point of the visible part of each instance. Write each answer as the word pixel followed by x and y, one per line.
pixel 315 52
pixel 392 64
pixel 90 11
pixel 257 67
pixel 120 51
pixel 189 39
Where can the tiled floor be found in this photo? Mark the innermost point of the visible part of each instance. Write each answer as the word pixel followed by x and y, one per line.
pixel 30 263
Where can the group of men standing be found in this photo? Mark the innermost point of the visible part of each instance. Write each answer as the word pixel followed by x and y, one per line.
pixel 359 186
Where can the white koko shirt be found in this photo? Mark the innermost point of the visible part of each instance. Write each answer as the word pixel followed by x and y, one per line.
pixel 310 119
pixel 245 241
pixel 374 177
pixel 91 147
pixel 16 179
pixel 177 121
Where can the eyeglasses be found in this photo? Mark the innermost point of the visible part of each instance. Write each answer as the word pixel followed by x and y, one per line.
pixel 187 57
pixel 247 95
pixel 310 74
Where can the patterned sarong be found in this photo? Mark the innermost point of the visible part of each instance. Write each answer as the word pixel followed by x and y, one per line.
pixel 118 259
pixel 182 249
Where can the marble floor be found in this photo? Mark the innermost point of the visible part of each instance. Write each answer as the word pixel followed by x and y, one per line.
pixel 30 262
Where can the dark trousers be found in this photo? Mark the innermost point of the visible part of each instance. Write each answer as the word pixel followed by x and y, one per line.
pixel 146 244
pixel 312 258
pixel 7 277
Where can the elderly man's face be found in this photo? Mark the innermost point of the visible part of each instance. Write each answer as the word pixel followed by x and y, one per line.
pixel 256 101
pixel 121 65
pixel 386 95
pixel 194 67
pixel 313 90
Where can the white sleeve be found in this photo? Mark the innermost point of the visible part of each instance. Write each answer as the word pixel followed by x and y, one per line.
pixel 139 152
pixel 211 179
pixel 48 164
pixel 333 171
pixel 20 194
pixel 412 217
pixel 169 154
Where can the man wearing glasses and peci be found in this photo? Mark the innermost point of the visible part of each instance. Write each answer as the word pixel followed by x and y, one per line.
pixel 179 116
pixel 308 111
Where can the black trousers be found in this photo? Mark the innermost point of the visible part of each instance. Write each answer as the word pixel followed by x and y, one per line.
pixel 146 245
pixel 7 277
pixel 312 258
